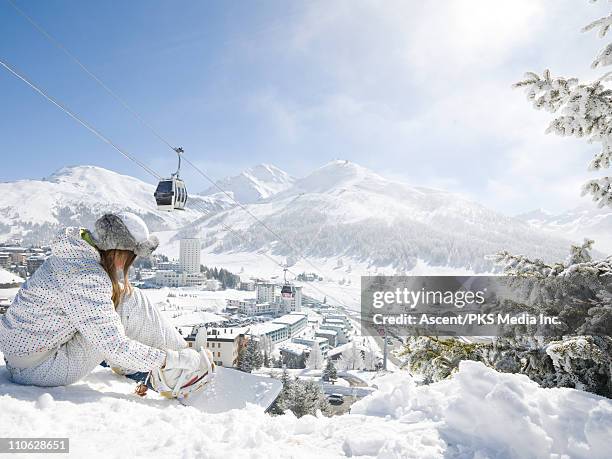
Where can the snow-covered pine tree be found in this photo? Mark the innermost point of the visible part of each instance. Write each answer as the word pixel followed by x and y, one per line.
pixel 244 360
pixel 315 399
pixel 298 402
pixel 300 397
pixel 282 402
pixel 578 354
pixel 250 357
pixel 256 355
pixel 329 373
pixel 582 110
pixel 315 359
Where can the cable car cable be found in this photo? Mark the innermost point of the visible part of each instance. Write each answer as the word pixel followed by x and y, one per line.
pixel 101 136
pixel 141 119
pixel 134 113
pixel 77 118
pixel 83 67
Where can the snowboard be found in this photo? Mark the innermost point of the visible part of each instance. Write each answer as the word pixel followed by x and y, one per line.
pixel 233 389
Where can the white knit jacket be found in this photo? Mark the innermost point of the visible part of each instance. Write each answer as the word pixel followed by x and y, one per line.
pixel 71 292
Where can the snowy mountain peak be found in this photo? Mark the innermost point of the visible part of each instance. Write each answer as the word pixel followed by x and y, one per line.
pixel 254 184
pixel 269 174
pixel 77 172
pixel 78 195
pixel 340 175
pixel 90 177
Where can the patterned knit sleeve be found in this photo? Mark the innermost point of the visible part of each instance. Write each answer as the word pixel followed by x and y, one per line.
pixel 88 306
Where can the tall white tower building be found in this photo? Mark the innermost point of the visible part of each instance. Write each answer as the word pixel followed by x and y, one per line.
pixel 265 292
pixel 190 255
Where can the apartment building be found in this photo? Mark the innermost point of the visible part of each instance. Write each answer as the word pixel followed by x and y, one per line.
pixel 189 258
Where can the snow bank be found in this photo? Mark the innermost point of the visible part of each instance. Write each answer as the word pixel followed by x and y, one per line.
pixel 478 413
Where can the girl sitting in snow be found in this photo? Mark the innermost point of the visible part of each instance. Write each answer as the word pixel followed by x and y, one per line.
pixel 73 313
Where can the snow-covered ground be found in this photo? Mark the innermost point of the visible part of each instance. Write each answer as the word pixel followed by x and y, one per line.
pixel 478 413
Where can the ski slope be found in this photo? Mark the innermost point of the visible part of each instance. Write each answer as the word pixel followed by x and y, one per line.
pixel 478 413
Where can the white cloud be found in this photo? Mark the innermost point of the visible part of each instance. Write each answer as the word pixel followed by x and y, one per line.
pixel 425 88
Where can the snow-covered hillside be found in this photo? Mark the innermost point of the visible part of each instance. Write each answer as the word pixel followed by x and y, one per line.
pixel 341 210
pixel 254 184
pixel 478 413
pixel 345 210
pixel 35 209
pixel 586 221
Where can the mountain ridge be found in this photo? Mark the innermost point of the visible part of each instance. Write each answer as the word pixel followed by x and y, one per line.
pixel 34 210
pixel 584 221
pixel 344 209
pixel 253 184
pixel 341 209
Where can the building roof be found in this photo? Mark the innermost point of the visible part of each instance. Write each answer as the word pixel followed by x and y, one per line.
pixel 329 326
pixel 266 327
pixel 318 339
pixel 224 333
pixel 7 277
pixel 334 321
pixel 327 332
pixel 294 348
pixel 290 319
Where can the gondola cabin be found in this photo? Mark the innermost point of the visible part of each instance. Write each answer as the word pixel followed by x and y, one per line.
pixel 288 291
pixel 171 194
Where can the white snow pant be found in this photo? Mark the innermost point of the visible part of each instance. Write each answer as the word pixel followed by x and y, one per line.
pixel 76 358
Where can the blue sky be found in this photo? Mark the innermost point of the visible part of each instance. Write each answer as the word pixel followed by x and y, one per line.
pixel 418 91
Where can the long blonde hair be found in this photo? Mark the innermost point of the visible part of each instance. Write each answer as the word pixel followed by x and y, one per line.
pixel 108 260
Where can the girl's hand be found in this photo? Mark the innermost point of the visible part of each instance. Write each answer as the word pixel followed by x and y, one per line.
pixel 185 359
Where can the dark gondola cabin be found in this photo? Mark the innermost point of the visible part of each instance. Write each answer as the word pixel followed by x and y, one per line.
pixel 171 194
pixel 287 291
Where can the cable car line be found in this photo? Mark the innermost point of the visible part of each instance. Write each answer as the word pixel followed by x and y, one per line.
pixel 101 136
pixel 77 118
pixel 177 188
pixel 83 67
pixel 181 190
